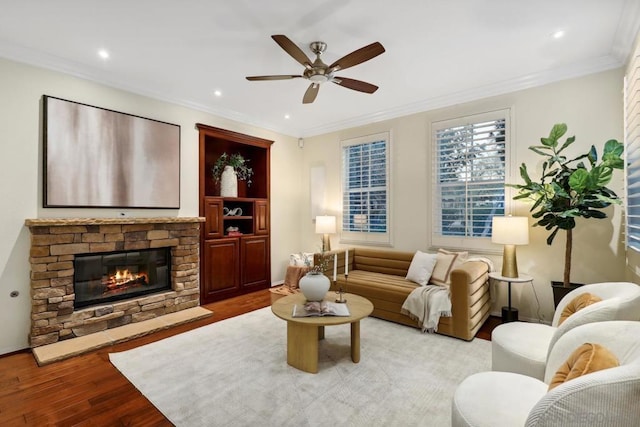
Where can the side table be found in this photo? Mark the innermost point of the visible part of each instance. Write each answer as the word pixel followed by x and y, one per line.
pixel 509 313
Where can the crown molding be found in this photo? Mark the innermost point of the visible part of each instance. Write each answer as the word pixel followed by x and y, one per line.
pixel 627 32
pixel 500 88
pixel 54 63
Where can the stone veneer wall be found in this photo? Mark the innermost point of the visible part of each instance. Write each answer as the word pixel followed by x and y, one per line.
pixel 54 244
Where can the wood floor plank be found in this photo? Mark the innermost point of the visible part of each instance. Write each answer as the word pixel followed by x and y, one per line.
pixel 87 390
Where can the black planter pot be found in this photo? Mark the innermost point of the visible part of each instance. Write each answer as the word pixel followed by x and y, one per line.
pixel 559 291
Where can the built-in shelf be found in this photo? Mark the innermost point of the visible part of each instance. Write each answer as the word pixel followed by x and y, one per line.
pixel 236 264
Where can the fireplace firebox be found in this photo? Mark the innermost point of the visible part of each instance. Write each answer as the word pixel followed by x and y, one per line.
pixel 114 276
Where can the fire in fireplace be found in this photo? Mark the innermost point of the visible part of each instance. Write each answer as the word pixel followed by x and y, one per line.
pixel 113 276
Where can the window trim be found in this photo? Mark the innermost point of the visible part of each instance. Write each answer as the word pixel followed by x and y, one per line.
pixel 631 117
pixel 476 244
pixel 367 238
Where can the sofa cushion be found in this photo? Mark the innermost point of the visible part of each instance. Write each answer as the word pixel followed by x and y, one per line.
pixel 421 268
pixel 377 286
pixel 446 262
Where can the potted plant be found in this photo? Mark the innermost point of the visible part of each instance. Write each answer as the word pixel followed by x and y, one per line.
pixel 227 170
pixel 569 189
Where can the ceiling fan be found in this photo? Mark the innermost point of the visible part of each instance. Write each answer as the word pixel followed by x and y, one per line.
pixel 318 72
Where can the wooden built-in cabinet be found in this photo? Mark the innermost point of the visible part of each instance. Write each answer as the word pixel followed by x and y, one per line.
pixel 234 264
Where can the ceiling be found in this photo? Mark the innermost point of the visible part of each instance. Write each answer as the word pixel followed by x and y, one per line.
pixel 438 52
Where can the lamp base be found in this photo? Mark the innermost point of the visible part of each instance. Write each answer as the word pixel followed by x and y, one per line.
pixel 509 314
pixel 326 243
pixel 509 261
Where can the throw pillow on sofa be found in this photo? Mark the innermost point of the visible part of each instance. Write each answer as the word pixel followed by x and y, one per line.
pixel 302 259
pixel 446 262
pixel 421 267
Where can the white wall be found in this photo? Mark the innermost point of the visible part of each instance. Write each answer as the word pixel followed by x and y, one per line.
pixel 22 88
pixel 592 108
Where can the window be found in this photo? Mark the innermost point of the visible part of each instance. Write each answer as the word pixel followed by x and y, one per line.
pixel 632 150
pixel 365 189
pixel 470 165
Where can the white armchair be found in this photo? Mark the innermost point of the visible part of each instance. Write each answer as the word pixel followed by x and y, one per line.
pixel 523 348
pixel 605 398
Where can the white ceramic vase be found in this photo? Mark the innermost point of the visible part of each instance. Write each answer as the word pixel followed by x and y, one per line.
pixel 314 286
pixel 229 182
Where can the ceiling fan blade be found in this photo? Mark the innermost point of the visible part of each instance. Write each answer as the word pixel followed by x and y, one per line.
pixel 292 49
pixel 311 93
pixel 280 77
pixel 357 57
pixel 358 85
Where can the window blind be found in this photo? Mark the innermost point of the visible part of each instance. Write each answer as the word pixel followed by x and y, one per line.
pixel 469 166
pixel 365 178
pixel 632 150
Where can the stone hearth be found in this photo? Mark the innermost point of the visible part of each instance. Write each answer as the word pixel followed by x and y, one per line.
pixel 56 241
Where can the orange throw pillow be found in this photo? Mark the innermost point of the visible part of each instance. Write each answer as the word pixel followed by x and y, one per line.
pixel 577 304
pixel 584 360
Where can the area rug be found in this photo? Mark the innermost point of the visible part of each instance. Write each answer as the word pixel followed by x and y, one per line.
pixel 234 373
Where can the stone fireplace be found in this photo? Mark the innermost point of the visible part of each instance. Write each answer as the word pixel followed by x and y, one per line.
pixel 114 276
pixel 59 246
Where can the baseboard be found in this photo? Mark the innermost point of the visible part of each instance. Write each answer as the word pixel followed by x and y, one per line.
pixel 524 319
pixel 278 283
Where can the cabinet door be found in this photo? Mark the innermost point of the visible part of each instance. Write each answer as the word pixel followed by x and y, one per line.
pixel 213 216
pixel 255 269
pixel 261 217
pixel 221 264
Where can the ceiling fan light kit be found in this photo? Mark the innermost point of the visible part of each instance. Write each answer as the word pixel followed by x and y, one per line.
pixel 318 72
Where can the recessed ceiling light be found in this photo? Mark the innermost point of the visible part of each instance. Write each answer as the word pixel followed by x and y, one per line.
pixel 287 116
pixel 102 53
pixel 217 93
pixel 558 34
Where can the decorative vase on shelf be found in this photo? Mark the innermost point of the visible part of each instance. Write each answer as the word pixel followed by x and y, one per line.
pixel 229 182
pixel 314 286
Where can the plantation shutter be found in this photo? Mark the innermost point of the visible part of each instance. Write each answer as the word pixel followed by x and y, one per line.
pixel 365 179
pixel 632 150
pixel 469 177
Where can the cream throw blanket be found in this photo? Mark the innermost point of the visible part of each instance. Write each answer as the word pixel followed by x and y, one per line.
pixel 426 304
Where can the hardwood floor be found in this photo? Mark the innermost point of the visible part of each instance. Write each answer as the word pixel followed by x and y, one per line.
pixel 87 390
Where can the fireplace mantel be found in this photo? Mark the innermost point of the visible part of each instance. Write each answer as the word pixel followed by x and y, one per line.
pixel 47 222
pixel 56 241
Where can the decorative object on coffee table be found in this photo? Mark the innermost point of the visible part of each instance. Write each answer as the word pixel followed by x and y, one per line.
pixel 314 286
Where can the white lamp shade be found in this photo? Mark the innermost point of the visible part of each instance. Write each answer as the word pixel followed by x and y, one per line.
pixel 510 230
pixel 325 224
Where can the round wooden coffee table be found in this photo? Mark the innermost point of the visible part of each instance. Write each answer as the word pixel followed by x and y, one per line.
pixel 303 333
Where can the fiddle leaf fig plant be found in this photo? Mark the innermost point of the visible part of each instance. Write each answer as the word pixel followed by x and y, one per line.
pixel 568 189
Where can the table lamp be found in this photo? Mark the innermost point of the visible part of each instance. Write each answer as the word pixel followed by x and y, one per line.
pixel 510 231
pixel 325 225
